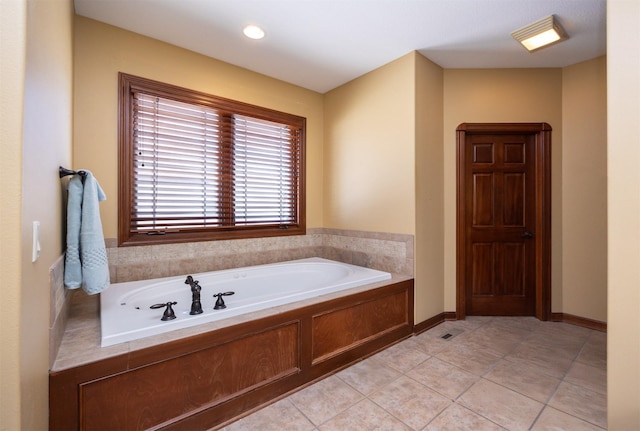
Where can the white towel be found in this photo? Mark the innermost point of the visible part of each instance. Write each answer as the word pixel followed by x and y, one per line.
pixel 86 262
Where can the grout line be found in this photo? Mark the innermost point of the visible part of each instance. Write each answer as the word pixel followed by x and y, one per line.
pixel 538 417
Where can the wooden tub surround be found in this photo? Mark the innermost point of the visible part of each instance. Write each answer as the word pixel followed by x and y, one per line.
pixel 208 379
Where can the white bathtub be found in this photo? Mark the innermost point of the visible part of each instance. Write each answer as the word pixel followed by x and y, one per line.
pixel 124 307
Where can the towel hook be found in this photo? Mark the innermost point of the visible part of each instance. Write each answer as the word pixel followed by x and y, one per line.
pixel 64 172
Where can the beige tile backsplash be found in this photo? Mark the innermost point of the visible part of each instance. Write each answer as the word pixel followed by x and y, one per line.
pixel 388 252
pixel 59 304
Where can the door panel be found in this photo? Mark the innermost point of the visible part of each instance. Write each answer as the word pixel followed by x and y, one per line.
pixel 514 199
pixel 513 269
pixel 483 199
pixel 482 277
pixel 514 152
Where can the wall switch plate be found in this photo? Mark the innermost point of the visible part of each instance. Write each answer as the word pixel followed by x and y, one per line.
pixel 35 250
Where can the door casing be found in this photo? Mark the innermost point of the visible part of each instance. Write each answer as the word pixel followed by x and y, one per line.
pixel 542 132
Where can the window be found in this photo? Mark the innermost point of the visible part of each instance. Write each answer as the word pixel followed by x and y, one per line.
pixel 196 167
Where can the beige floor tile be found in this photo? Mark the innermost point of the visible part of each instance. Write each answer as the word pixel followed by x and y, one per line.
pixel 554 420
pixel 503 334
pixel 557 328
pixel 501 405
pixel 458 418
pixel 526 323
pixel 497 329
pixel 554 361
pixel 369 375
pixel 594 352
pixel 411 402
pixel 325 399
pixel 593 378
pixel 431 342
pixel 523 379
pixel 442 377
pixel 364 416
pixel 598 339
pixel 478 321
pixel 455 327
pixel 581 402
pixel 281 416
pixel 469 324
pixel 569 344
pixel 403 356
pixel 500 346
pixel 472 358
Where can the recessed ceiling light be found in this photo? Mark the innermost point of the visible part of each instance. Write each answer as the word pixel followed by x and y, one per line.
pixel 253 32
pixel 540 34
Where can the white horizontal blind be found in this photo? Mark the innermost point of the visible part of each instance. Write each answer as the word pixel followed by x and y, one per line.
pixel 264 162
pixel 197 168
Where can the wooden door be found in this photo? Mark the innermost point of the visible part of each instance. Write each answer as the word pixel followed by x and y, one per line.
pixel 501 220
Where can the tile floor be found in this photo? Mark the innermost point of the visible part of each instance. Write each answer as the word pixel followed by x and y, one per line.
pixel 494 373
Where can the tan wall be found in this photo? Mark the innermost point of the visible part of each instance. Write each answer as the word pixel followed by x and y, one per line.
pixel 584 189
pixel 36 114
pixel 429 267
pixel 623 79
pixel 369 151
pixel 48 119
pixel 496 96
pixel 13 37
pixel 101 51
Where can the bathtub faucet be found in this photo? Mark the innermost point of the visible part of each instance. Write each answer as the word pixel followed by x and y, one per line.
pixel 168 314
pixel 220 302
pixel 196 305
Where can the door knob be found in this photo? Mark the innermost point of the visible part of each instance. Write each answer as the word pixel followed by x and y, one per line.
pixel 527 234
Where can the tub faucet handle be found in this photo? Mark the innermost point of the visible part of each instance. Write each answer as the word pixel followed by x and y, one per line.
pixel 168 314
pixel 220 302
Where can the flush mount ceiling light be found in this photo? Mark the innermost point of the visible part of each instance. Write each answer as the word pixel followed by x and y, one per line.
pixel 540 34
pixel 253 32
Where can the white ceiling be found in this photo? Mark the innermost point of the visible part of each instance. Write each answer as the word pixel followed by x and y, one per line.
pixel 321 44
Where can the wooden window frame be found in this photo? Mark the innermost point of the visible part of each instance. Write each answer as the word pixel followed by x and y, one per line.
pixel 128 84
